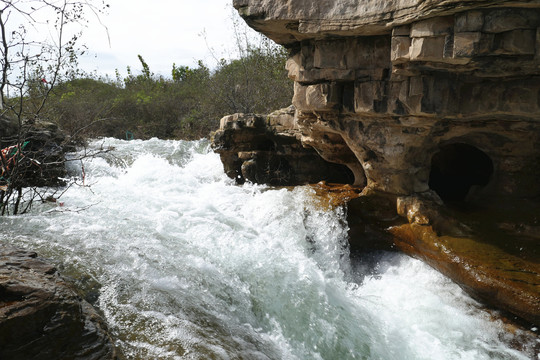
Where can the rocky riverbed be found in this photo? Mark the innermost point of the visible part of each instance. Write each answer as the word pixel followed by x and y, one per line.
pixel 41 314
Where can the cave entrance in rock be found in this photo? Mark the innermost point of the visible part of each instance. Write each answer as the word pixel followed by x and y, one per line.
pixel 456 168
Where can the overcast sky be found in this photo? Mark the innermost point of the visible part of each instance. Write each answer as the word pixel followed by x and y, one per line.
pixel 162 31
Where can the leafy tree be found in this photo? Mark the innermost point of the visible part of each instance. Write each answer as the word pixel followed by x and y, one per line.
pixel 254 79
pixel 187 105
pixel 82 107
pixel 254 83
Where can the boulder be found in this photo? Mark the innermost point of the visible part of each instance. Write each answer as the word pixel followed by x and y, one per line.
pixel 43 150
pixel 267 150
pixel 41 315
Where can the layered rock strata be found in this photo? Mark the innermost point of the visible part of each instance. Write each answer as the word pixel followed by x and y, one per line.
pixel 436 100
pixel 417 90
pixel 42 317
pixel 266 149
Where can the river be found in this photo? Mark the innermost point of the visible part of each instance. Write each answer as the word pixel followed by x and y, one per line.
pixel 184 264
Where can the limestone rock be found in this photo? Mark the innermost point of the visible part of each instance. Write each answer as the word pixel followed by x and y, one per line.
pixel 433 27
pixel 397 82
pixel 41 316
pixel 287 22
pixel 267 149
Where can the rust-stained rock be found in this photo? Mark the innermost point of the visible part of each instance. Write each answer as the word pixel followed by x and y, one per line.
pixel 41 316
pixel 485 271
pixel 495 261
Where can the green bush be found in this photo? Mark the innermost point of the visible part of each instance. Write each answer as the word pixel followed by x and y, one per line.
pixel 188 105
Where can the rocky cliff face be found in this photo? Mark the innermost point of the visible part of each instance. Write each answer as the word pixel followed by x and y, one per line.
pixel 435 104
pixel 426 94
pixel 267 150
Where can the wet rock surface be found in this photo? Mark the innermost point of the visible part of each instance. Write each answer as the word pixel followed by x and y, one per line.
pixel 42 317
pixel 499 268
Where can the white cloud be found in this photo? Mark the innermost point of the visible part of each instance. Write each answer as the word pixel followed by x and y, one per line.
pixel 162 31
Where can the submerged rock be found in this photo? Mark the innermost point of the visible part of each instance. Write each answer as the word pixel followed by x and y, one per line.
pixel 42 317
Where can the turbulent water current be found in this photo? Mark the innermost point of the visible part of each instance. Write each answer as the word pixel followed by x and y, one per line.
pixel 184 264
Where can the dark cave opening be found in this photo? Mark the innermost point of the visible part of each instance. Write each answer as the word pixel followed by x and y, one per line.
pixel 456 168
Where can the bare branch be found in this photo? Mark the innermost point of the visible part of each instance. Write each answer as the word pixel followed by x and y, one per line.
pixel 30 71
pixel 5 58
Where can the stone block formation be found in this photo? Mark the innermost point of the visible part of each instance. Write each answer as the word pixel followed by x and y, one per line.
pixel 418 91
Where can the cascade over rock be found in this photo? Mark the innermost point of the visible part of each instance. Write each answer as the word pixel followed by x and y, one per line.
pixel 436 100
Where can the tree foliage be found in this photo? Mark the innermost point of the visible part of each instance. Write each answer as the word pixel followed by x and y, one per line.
pixel 255 83
pixel 186 105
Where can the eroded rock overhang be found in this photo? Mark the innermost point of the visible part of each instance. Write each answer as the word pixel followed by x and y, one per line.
pixel 425 94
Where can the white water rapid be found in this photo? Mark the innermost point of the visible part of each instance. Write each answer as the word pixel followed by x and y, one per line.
pixel 184 264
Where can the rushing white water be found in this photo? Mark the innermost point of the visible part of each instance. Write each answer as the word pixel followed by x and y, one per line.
pixel 191 266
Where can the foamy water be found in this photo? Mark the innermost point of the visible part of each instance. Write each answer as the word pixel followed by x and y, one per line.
pixel 185 264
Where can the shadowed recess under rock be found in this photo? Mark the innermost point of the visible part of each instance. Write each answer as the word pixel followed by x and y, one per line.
pixel 456 168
